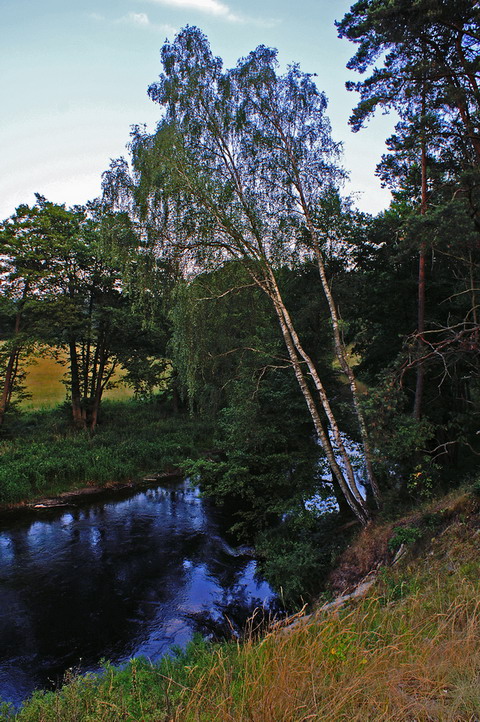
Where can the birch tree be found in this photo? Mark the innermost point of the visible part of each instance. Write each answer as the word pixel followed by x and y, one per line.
pixel 237 170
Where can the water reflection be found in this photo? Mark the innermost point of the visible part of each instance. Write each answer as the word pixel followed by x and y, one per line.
pixel 113 580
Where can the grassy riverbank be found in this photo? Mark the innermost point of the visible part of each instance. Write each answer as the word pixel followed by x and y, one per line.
pixel 41 456
pixel 410 650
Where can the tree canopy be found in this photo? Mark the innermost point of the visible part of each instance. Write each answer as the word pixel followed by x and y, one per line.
pixel 239 169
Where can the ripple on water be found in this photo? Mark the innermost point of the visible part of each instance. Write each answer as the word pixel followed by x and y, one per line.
pixel 115 579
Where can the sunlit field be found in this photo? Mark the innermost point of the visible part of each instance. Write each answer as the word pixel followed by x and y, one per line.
pixel 44 383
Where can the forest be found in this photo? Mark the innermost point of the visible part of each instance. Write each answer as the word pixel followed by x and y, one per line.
pixel 313 367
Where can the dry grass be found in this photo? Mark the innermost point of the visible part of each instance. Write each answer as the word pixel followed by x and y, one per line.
pixel 44 384
pixel 410 652
pixel 369 550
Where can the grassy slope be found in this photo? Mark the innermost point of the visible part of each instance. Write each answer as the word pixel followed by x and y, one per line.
pixel 409 651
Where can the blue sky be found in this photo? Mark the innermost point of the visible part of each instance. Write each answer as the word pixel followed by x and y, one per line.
pixel 74 78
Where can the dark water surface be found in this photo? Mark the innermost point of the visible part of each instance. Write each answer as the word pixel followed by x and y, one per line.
pixel 116 579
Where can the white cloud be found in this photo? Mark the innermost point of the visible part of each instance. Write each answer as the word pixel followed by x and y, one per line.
pixel 141 20
pixel 96 16
pixel 211 7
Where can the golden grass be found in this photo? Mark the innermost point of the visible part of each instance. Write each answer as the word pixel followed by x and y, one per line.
pixel 44 384
pixel 409 652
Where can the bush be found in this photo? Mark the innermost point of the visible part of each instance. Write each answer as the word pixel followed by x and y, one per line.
pixel 404 535
pixel 299 553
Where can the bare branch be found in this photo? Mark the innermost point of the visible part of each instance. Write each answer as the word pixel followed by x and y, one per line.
pixel 226 293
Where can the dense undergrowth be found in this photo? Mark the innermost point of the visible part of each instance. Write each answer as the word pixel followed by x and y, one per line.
pixel 409 651
pixel 41 454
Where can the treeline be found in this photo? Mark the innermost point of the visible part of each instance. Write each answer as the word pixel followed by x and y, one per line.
pixel 67 292
pixel 336 354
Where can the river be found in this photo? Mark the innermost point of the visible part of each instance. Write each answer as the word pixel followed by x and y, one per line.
pixel 117 578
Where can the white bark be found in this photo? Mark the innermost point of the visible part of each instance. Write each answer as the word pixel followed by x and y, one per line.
pixel 299 358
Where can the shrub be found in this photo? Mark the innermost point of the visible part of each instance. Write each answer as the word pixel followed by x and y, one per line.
pixel 404 535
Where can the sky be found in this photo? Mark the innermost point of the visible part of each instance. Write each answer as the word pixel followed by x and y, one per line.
pixel 74 79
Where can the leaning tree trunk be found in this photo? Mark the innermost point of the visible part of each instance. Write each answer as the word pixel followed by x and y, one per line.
pixel 340 350
pixel 341 354
pixel 300 360
pixel 417 407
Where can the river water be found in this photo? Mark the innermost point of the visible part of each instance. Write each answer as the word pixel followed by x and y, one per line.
pixel 113 579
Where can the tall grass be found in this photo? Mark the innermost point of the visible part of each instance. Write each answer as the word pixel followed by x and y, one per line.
pixel 370 664
pixel 410 651
pixel 43 456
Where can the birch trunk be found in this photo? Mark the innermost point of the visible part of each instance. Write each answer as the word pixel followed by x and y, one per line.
pixel 341 354
pixel 300 358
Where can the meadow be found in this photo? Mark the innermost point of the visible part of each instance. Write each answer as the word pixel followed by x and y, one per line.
pixel 44 387
pixel 43 456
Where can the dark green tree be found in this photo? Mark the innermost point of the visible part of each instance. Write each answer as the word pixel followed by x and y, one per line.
pixel 67 292
pixel 95 320
pixel 428 47
pixel 30 268
pixel 429 53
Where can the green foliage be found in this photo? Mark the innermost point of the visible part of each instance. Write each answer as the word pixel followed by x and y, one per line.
pixel 476 487
pixel 380 294
pixel 395 587
pixel 404 535
pixel 298 554
pixel 433 520
pixel 132 438
pixel 138 691
pixel 68 292
pixel 6 711
pixel 422 482
pixel 228 356
pixel 397 437
pixel 382 291
pixel 222 327
pixel 427 50
pixel 265 459
pixel 421 56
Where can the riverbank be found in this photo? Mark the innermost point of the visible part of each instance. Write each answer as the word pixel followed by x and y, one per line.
pixel 43 459
pixel 409 649
pixel 132 573
pixel 85 494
